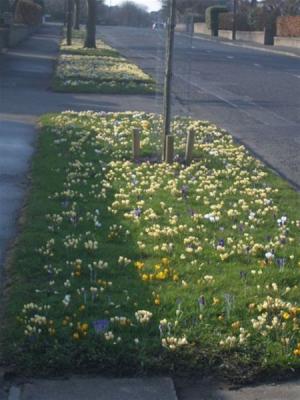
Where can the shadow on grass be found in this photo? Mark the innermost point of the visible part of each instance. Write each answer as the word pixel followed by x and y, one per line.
pixel 41 279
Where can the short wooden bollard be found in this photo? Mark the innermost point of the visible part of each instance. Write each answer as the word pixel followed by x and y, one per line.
pixel 136 145
pixel 189 146
pixel 169 149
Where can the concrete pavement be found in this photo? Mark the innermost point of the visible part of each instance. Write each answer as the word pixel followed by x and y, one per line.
pixel 77 388
pixel 95 389
pixel 210 389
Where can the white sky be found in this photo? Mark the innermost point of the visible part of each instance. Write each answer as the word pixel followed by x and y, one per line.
pixel 152 5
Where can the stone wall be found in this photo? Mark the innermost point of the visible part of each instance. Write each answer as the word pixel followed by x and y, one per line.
pixel 247 36
pixel 14 34
pixel 225 34
pixel 287 41
pixel 201 28
pixel 17 33
pixel 180 28
pixel 256 36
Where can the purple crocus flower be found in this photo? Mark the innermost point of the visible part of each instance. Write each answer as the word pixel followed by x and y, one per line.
pixel 184 191
pixel 101 325
pixel 243 274
pixel 138 212
pixel 201 301
pixel 221 243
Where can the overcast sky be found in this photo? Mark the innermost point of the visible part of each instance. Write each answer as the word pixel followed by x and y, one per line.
pixel 152 5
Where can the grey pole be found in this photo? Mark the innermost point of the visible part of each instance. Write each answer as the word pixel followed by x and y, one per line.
pixel 168 75
pixel 234 20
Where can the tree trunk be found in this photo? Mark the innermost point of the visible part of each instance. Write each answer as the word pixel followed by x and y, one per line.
pixel 14 8
pixel 70 10
pixel 65 13
pixel 90 38
pixel 77 15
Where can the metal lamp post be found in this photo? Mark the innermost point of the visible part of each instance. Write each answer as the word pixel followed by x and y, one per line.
pixel 167 153
pixel 234 20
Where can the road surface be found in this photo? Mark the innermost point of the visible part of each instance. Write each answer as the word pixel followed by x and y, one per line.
pixel 253 94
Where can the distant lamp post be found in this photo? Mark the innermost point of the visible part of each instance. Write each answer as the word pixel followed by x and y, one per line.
pixel 167 141
pixel 234 19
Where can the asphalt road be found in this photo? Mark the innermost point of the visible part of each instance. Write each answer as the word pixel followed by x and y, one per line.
pixel 253 94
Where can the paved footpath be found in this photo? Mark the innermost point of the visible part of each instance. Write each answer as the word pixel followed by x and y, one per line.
pixel 25 76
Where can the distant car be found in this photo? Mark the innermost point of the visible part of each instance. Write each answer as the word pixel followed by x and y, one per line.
pixel 158 26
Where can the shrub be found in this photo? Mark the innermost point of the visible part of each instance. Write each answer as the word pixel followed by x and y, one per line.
pixel 28 13
pixel 257 19
pixel 225 20
pixel 288 26
pixel 250 21
pixel 212 18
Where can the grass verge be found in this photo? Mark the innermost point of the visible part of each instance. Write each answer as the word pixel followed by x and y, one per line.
pixel 130 268
pixel 100 70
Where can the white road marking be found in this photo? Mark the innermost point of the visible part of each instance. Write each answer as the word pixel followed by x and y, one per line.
pixel 257 65
pixel 230 57
pixel 235 105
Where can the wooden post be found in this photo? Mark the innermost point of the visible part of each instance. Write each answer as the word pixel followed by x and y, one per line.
pixel 189 146
pixel 170 149
pixel 136 144
pixel 168 74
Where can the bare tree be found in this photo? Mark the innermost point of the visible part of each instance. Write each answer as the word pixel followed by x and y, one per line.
pixel 90 38
pixel 70 10
pixel 77 15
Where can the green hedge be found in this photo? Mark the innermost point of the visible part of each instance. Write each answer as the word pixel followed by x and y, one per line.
pixel 212 18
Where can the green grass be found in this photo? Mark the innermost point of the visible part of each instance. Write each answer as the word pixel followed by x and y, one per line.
pixel 195 238
pixel 100 70
pixel 104 87
pixel 102 49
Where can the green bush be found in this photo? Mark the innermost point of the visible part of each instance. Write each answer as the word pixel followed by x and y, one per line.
pixel 257 19
pixel 245 21
pixel 212 18
pixel 28 12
